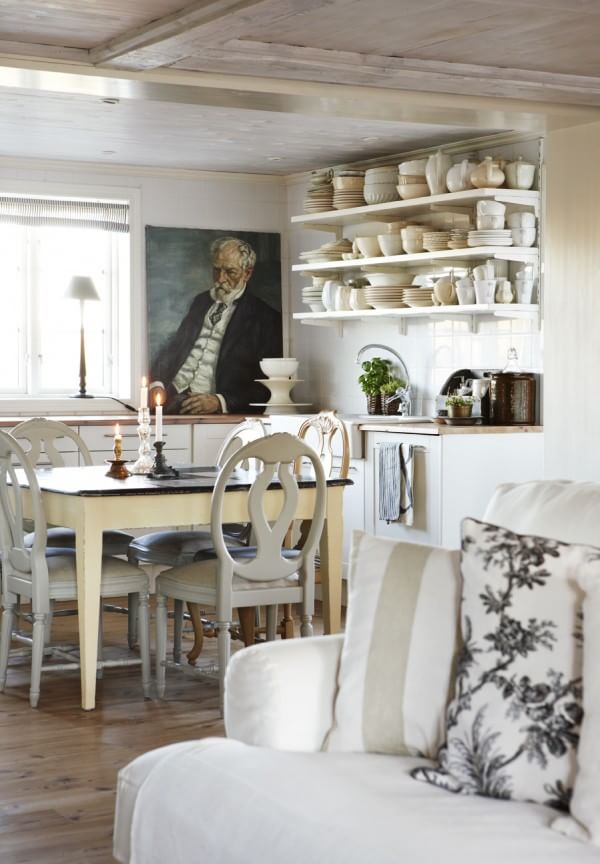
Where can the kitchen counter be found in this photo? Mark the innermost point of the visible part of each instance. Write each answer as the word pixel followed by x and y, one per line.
pixel 128 419
pixel 443 429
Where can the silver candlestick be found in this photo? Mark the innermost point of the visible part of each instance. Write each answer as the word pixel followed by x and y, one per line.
pixel 145 460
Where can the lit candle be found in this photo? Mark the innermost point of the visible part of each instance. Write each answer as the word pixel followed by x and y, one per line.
pixel 144 393
pixel 118 442
pixel 159 410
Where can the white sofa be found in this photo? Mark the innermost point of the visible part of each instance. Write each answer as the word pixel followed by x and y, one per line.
pixel 269 793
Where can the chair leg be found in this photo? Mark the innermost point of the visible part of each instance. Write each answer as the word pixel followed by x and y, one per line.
pixel 132 619
pixel 271 623
pixel 100 667
pixel 37 654
pixel 144 635
pixel 194 610
pixel 161 643
pixel 223 648
pixel 8 617
pixel 287 624
pixel 177 630
pixel 247 616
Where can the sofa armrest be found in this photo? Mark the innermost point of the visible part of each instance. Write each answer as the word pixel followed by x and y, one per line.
pixel 281 694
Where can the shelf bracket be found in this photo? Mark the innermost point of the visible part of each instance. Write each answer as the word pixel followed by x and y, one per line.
pixel 402 326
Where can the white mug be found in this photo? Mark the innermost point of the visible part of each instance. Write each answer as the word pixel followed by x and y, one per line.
pixel 483 271
pixel 491 208
pixel 484 290
pixel 465 291
pixel 479 387
pixel 521 220
pixel 524 290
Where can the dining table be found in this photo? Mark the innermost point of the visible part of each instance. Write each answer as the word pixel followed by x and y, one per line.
pixel 90 502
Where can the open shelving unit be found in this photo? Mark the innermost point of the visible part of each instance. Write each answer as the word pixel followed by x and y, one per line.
pixel 337 220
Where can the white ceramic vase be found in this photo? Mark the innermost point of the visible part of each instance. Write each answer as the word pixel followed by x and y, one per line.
pixel 436 171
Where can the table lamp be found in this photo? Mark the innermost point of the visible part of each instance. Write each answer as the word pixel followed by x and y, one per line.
pixel 82 288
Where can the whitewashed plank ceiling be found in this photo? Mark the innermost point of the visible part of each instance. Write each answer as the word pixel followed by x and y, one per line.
pixel 279 86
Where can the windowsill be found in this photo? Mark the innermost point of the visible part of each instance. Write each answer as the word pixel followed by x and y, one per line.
pixel 61 405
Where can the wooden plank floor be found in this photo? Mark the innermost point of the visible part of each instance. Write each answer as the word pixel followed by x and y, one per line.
pixel 58 764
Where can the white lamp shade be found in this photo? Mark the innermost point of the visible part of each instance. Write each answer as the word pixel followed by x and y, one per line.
pixel 82 288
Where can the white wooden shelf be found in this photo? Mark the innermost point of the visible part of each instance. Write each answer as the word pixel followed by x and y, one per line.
pixel 333 220
pixel 471 314
pixel 525 254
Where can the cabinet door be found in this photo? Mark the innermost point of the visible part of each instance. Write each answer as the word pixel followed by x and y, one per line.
pixel 426 527
pixel 100 440
pixel 207 440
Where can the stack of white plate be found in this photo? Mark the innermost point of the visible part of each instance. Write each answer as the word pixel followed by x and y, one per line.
pixel 418 296
pixel 490 237
pixel 348 189
pixel 312 297
pixel 436 241
pixel 385 297
pixel 458 238
pixel 327 252
pixel 319 195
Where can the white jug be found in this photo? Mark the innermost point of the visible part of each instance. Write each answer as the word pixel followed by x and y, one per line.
pixel 436 170
pixel 458 178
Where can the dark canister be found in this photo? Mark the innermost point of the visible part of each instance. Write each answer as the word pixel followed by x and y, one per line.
pixel 512 398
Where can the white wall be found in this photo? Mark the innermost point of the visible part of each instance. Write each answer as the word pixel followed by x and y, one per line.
pixel 572 304
pixel 431 350
pixel 183 199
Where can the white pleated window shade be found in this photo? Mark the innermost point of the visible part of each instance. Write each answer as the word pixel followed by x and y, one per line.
pixel 65 213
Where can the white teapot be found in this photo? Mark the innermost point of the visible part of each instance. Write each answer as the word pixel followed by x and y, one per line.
pixel 488 174
pixel 458 178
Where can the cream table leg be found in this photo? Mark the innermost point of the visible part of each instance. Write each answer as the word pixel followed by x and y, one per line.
pixel 331 560
pixel 89 565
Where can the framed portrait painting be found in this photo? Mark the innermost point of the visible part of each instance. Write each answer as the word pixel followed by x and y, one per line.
pixel 214 311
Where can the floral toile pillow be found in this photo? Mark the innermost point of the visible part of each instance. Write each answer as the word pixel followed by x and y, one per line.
pixel 513 726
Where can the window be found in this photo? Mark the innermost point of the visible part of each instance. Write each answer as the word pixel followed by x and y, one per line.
pixel 43 243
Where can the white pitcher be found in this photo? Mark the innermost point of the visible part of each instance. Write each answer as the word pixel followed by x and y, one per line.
pixel 436 170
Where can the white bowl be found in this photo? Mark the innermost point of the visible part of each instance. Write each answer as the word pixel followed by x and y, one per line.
pixel 485 223
pixel 414 166
pixel 368 246
pixel 413 190
pixel 390 244
pixel 279 367
pixel 380 193
pixel 523 236
pixel 382 280
pixel 521 220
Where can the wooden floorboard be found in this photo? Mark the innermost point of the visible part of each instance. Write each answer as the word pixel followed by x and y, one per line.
pixel 59 764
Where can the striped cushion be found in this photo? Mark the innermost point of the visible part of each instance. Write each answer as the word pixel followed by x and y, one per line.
pixel 401 640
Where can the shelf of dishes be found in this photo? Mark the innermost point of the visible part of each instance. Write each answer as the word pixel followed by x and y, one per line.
pixel 469 313
pixel 332 220
pixel 526 254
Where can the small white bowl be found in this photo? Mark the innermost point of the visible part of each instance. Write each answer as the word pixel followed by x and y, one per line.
pixel 279 367
pixel 368 247
pixel 390 244
pixel 523 236
pixel 521 220
pixel 413 190
pixel 380 193
pixel 414 166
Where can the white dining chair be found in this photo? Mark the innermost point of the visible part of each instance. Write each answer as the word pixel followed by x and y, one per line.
pixel 265 576
pixel 29 572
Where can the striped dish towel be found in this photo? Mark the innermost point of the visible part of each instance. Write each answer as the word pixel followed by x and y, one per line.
pixel 396 483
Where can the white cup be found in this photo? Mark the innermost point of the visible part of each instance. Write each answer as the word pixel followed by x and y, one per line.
pixel 485 223
pixel 521 220
pixel 484 271
pixel 491 208
pixel 523 236
pixel 484 290
pixel 479 387
pixel 524 290
pixel 465 291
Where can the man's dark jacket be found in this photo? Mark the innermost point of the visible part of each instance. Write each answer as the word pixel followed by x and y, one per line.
pixel 253 332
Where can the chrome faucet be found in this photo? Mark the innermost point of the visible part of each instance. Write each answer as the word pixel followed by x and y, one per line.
pixel 403 393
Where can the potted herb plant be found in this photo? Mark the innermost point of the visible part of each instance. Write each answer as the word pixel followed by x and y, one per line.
pixel 376 373
pixel 387 391
pixel 459 406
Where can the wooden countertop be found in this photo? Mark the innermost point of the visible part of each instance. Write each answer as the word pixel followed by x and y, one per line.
pixel 439 429
pixel 130 419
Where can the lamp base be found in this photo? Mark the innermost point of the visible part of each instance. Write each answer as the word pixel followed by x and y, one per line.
pixel 82 396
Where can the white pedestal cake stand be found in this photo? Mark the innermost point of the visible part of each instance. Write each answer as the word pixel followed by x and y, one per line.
pixel 280 401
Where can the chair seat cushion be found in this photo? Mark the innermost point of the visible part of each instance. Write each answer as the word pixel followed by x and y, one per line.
pixel 172 548
pixel 118 576
pixel 203 575
pixel 341 808
pixel 113 542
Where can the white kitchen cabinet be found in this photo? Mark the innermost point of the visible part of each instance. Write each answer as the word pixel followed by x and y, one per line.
pixel 454 477
pixel 206 441
pixel 100 440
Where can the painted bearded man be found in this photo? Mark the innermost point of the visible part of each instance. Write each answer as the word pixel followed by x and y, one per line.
pixel 210 364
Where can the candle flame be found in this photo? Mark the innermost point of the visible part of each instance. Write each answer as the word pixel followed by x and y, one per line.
pixel 158 400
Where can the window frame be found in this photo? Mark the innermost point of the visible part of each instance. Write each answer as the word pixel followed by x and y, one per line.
pixel 131 342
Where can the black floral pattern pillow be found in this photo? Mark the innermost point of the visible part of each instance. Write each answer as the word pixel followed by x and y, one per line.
pixel 513 724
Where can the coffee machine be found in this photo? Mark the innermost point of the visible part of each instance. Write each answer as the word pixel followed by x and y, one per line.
pixel 510 399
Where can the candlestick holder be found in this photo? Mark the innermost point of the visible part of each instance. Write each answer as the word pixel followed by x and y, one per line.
pixel 160 469
pixel 117 469
pixel 145 460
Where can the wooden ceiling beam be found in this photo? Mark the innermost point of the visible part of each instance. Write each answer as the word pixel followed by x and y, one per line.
pixel 164 42
pixel 344 67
